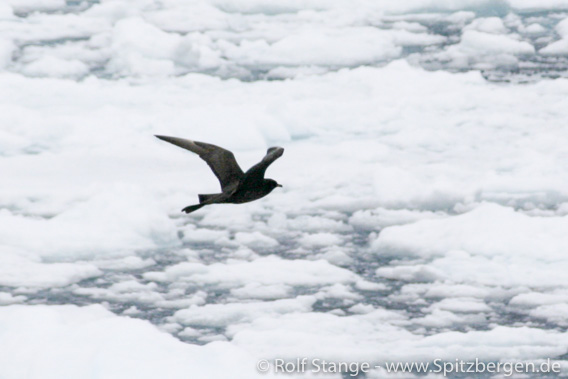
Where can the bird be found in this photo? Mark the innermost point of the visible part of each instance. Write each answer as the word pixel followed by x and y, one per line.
pixel 237 187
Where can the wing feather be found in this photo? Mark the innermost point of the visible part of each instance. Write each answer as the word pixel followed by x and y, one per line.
pixel 222 162
pixel 256 172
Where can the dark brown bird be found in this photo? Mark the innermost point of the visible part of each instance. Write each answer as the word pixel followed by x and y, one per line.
pixel 236 186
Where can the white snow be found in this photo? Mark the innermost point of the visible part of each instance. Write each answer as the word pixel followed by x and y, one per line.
pixel 372 337
pixel 318 47
pixel 556 313
pixel 69 341
pixel 36 5
pixel 493 25
pixel 126 221
pixel 236 39
pixel 559 47
pixel 320 239
pixel 8 298
pixel 52 66
pixel 255 239
pixel 18 268
pixel 535 29
pixel 6 50
pixel 534 5
pixel 266 271
pixel 221 315
pixel 488 230
pixel 487 48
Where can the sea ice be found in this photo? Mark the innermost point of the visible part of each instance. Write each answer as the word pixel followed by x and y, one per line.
pixel 69 341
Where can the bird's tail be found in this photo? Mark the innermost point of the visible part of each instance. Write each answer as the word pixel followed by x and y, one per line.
pixel 204 198
pixel 192 208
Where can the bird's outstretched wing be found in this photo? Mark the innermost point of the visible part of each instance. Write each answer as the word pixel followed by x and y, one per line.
pixel 256 172
pixel 221 161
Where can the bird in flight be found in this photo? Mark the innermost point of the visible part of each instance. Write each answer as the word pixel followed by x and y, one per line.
pixel 236 186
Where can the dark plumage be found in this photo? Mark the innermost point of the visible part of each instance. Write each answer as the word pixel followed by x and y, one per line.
pixel 237 186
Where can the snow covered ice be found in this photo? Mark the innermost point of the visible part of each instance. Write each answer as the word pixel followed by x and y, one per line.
pixel 424 213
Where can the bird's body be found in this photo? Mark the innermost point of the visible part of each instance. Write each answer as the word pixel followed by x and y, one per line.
pixel 237 186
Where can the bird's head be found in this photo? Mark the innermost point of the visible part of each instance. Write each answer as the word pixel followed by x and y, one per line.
pixel 271 184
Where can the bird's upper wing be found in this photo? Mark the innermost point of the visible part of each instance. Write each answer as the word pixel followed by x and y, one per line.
pixel 256 172
pixel 221 161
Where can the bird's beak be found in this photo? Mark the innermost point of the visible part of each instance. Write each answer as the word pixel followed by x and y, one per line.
pixel 279 185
